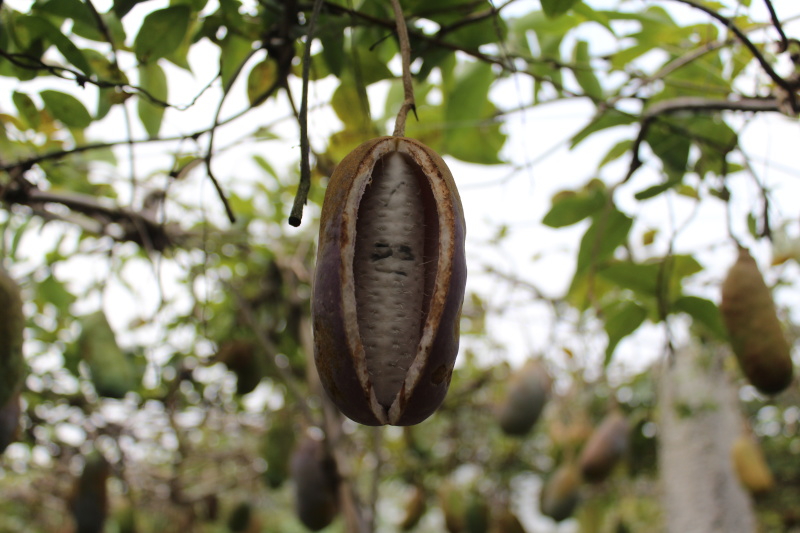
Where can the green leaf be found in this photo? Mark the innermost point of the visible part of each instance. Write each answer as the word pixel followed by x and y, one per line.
pixel 122 7
pixel 473 135
pixel 655 190
pixel 52 291
pixel 616 151
pixel 670 142
pixel 703 312
pixel 331 34
pixel 621 319
pixel 350 106
pixel 584 73
pixel 153 80
pixel 570 207
pixel 608 231
pixel 608 118
pixel 42 27
pixel 556 8
pixel 27 109
pixel 262 78
pixel 234 53
pixel 161 33
pixel 66 108
pixel 641 278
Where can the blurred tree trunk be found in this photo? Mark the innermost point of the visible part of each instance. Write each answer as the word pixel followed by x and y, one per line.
pixel 700 418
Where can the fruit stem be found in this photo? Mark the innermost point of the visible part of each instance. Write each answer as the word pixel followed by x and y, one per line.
pixel 405 55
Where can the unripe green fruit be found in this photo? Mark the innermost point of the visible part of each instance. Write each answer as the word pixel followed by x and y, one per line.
pixel 756 334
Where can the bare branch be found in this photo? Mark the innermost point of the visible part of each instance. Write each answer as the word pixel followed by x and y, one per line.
pixel 697 105
pixel 304 186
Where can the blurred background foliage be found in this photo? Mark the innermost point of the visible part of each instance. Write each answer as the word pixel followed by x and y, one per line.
pixel 167 334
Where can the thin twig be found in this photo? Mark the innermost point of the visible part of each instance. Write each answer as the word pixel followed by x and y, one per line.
pixel 745 41
pixel 300 199
pixel 405 55
pixel 777 23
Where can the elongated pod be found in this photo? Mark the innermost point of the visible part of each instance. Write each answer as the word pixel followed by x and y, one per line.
pixel 389 282
pixel 756 335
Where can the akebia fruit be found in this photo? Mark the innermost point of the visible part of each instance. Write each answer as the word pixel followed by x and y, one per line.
pixel 316 484
pixel 750 465
pixel 605 447
pixel 526 394
pixel 12 324
pixel 755 332
pixel 389 282
pixel 89 499
pixel 560 494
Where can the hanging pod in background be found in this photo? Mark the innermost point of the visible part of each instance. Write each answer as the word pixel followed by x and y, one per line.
pixel 389 282
pixel 750 464
pixel 316 484
pixel 560 493
pixel 89 499
pixel 605 447
pixel 755 332
pixel 527 392
pixel 12 325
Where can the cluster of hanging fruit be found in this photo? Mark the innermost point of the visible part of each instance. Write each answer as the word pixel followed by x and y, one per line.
pixel 602 452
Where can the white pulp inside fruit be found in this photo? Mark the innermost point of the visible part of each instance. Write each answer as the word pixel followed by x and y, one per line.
pixel 389 273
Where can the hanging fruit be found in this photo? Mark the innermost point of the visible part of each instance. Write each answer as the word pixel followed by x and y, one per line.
pixel 89 499
pixel 605 447
pixel 560 493
pixel 389 282
pixel 527 392
pixel 316 484
pixel 750 465
pixel 755 332
pixel 12 324
pixel 112 372
pixel 9 421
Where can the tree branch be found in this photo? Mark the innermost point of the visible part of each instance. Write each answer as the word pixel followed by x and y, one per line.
pixel 745 41
pixel 694 104
pixel 300 199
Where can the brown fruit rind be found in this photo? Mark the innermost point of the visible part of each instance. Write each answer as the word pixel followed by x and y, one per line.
pixel 605 448
pixel 316 484
pixel 338 350
pixel 755 332
pixel 12 325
